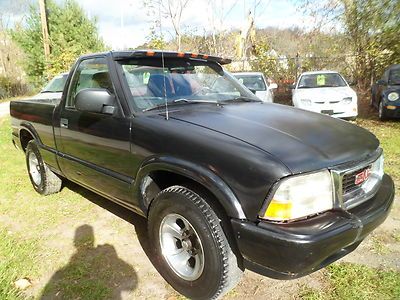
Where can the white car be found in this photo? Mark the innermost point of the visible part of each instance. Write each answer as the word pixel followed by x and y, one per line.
pixel 257 83
pixel 325 92
pixel 54 89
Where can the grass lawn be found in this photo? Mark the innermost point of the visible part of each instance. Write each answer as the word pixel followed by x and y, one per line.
pixel 36 234
pixel 351 281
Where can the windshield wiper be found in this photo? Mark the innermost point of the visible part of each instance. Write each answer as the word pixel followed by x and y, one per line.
pixel 242 99
pixel 177 102
pixel 193 101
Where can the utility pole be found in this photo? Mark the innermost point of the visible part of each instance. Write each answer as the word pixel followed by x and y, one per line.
pixel 45 28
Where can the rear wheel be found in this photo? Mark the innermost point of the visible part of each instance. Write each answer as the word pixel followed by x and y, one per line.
pixel 44 181
pixel 191 249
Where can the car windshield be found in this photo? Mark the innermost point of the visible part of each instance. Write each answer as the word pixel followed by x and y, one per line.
pixel 394 77
pixel 252 82
pixel 321 80
pixel 56 85
pixel 152 83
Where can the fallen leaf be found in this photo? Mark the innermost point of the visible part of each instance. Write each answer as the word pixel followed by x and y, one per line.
pixel 22 283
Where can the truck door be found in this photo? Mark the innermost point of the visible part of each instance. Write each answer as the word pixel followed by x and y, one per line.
pixel 94 147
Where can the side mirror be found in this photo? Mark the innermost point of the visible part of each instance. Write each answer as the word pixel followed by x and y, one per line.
pixel 96 101
pixel 381 82
pixel 273 86
pixel 352 83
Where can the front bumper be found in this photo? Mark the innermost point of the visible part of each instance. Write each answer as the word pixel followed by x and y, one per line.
pixel 334 110
pixel 392 113
pixel 292 250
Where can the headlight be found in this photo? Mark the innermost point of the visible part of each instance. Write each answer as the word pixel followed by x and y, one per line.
pixel 347 100
pixel 393 96
pixel 300 196
pixel 306 102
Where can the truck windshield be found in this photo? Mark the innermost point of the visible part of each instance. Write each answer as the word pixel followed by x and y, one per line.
pixel 394 77
pixel 56 85
pixel 321 80
pixel 180 81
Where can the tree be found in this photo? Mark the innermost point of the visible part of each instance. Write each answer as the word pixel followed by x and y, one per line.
pixel 71 32
pixel 371 29
pixel 171 9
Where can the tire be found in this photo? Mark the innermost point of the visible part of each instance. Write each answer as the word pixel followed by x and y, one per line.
pixel 381 112
pixel 211 267
pixel 43 180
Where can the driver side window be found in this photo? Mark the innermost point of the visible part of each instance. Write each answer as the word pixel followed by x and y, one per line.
pixel 91 73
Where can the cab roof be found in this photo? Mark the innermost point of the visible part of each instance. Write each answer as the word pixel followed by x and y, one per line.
pixel 120 55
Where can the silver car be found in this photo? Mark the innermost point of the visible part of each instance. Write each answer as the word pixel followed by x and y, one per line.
pixel 258 84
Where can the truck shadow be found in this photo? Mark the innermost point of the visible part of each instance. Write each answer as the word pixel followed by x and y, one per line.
pixel 87 257
pixel 93 272
pixel 139 222
pixel 136 220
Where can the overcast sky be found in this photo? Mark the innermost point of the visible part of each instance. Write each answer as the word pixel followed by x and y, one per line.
pixel 125 23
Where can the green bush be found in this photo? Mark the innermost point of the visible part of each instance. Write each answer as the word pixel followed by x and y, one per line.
pixel 12 87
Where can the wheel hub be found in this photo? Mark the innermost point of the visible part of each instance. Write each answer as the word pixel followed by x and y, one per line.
pixel 34 168
pixel 181 247
pixel 186 245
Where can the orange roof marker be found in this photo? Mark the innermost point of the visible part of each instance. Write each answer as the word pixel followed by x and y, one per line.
pixel 180 54
pixel 205 56
pixel 150 53
pixel 194 55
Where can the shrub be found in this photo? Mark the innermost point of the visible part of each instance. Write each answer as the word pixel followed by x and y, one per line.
pixel 12 87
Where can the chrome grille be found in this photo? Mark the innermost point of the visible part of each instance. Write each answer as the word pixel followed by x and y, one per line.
pixel 349 181
pixel 349 194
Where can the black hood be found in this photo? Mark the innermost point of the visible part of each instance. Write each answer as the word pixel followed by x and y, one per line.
pixel 302 140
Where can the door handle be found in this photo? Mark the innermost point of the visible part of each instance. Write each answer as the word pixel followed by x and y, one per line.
pixel 64 123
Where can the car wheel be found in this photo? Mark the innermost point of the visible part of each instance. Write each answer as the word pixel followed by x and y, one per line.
pixel 44 181
pixel 381 112
pixel 191 249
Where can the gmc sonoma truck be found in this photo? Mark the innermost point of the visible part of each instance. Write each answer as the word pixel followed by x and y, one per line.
pixel 226 181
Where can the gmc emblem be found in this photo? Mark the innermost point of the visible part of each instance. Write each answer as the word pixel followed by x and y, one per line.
pixel 362 176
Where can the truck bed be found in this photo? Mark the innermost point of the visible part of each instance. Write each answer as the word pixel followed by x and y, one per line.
pixel 36 113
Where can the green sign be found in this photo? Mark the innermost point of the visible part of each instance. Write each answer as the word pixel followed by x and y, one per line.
pixel 321 79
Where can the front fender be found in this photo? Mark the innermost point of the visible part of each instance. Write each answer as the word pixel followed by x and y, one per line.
pixel 193 171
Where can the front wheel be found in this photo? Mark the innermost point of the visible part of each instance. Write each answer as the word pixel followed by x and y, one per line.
pixel 191 249
pixel 43 180
pixel 381 112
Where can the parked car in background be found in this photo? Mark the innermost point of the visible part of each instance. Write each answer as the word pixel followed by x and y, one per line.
pixel 325 92
pixel 54 89
pixel 385 94
pixel 258 84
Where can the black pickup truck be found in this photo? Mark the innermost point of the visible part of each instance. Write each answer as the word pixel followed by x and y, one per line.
pixel 226 181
